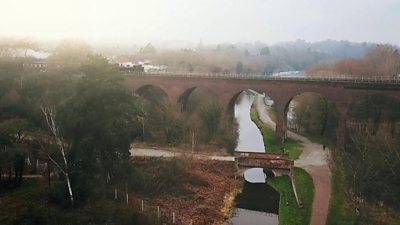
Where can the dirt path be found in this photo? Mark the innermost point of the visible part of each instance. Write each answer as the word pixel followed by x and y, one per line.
pixel 315 161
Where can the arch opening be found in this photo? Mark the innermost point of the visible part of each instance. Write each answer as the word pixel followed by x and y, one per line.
pixel 205 124
pixel 159 122
pixel 153 94
pixel 313 115
pixel 253 112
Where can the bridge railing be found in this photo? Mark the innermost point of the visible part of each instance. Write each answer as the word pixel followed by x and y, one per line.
pixel 261 155
pixel 395 79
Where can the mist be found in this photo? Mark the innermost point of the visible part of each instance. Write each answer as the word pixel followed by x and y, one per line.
pixel 127 21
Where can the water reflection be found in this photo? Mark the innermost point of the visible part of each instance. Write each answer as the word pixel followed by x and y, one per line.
pixel 244 216
pixel 250 137
pixel 254 175
pixel 258 203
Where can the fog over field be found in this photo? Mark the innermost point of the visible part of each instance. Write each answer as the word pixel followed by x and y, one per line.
pixel 127 21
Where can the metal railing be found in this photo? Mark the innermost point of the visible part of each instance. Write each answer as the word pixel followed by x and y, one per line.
pixel 313 78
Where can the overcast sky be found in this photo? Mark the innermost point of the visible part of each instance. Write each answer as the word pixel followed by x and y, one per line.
pixel 211 21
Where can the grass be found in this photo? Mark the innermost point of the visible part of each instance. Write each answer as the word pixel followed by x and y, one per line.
pixel 339 210
pixel 291 146
pixel 289 212
pixel 271 113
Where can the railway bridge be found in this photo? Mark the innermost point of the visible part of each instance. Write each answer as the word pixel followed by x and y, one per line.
pixel 343 91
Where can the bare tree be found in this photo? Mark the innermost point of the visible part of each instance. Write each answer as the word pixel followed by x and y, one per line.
pixel 50 114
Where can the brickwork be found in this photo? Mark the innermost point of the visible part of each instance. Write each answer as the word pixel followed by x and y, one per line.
pixel 342 94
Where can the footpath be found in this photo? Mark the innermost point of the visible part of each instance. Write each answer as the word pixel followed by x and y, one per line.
pixel 315 161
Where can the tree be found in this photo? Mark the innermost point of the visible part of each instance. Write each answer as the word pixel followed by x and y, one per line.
pixel 101 120
pixel 239 68
pixel 210 114
pixel 315 115
pixel 69 55
pixel 385 59
pixel 380 60
pixel 14 135
pixel 50 115
pixel 265 51
pixel 98 66
pixel 26 44
pixel 372 163
pixel 148 49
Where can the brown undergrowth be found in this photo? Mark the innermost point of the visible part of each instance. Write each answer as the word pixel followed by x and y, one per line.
pixel 201 194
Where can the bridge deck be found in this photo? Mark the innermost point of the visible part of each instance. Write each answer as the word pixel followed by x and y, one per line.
pixel 395 79
pixel 264 160
pixel 262 155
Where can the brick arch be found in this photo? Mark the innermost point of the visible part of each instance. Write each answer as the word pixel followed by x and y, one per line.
pixel 184 97
pixel 281 90
pixel 231 103
pixel 322 95
pixel 141 90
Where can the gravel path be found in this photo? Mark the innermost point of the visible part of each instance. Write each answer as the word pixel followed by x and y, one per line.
pixel 315 161
pixel 148 152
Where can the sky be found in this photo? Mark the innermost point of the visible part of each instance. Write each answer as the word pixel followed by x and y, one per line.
pixel 211 21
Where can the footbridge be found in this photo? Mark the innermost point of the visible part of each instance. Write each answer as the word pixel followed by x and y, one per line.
pixel 280 164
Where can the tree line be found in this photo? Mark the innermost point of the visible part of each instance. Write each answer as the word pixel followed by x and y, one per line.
pixel 369 162
pixel 80 119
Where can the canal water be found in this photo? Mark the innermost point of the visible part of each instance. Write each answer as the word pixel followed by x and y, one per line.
pixel 258 203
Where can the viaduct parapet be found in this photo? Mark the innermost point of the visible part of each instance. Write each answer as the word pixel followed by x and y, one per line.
pixel 343 92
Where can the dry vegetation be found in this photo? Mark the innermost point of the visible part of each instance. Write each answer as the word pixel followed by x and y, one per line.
pixel 382 60
pixel 201 191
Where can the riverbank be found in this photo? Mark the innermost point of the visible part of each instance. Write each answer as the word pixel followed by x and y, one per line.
pixel 266 127
pixel 315 161
pixel 289 212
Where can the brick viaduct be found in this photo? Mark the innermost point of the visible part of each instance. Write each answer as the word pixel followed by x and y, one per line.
pixel 342 92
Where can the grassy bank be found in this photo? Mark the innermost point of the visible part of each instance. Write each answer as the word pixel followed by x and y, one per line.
pixel 339 210
pixel 291 146
pixel 289 213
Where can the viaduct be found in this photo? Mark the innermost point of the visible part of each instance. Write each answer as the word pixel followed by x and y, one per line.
pixel 342 91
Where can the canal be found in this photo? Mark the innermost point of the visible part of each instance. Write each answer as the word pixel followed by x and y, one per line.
pixel 258 203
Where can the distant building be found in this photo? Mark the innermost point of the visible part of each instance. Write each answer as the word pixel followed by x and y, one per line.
pixel 129 67
pixel 148 68
pixel 35 65
pixel 140 67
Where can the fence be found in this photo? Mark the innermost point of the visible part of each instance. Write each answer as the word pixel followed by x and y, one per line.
pixel 344 78
pixel 155 211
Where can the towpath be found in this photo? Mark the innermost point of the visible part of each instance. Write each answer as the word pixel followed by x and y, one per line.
pixel 315 161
